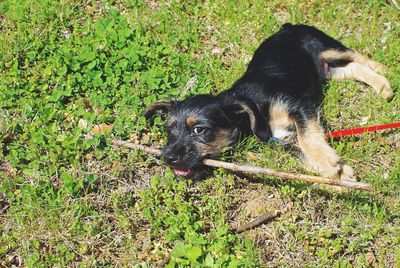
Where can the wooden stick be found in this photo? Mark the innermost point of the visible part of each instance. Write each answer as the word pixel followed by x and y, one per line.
pixel 256 170
pixel 288 175
pixel 139 147
pixel 257 222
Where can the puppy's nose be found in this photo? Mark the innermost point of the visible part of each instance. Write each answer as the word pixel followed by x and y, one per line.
pixel 171 159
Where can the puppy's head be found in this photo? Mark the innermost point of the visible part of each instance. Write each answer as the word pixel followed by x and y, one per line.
pixel 200 127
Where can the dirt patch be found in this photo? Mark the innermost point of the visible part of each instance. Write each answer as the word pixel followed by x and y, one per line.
pixel 252 201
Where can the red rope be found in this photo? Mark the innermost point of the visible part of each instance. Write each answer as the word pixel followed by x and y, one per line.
pixel 355 131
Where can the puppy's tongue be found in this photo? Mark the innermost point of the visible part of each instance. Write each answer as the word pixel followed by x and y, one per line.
pixel 182 172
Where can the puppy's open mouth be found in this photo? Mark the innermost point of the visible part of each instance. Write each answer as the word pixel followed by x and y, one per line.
pixel 182 172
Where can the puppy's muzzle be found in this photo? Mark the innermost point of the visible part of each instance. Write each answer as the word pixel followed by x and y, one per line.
pixel 172 159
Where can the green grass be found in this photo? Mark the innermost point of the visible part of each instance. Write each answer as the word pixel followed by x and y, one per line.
pixel 66 66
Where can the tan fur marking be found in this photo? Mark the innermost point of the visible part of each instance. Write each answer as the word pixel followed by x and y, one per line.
pixel 279 120
pixel 214 147
pixel 191 121
pixel 333 54
pixel 318 155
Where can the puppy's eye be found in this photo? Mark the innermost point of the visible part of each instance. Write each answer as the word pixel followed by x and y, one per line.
pixel 198 130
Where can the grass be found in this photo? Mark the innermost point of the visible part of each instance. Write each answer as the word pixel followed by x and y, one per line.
pixel 67 66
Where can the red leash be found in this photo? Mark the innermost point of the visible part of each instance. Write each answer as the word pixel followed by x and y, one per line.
pixel 355 131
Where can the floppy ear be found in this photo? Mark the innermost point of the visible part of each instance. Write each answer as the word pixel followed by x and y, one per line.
pixel 163 105
pixel 257 122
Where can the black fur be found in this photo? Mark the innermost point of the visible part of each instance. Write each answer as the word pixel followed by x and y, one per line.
pixel 285 67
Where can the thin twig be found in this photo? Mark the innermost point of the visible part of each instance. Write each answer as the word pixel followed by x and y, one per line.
pixel 256 170
pixel 139 147
pixel 257 222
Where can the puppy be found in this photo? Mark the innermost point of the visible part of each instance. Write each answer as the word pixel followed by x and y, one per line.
pixel 278 96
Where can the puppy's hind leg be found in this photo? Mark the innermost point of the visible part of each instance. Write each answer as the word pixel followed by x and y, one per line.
pixel 373 65
pixel 349 55
pixel 359 72
pixel 359 68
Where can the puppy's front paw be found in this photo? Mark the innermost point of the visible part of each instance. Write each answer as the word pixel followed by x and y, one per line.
pixel 344 172
pixel 347 173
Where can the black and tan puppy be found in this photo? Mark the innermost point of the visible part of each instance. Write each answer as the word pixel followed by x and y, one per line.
pixel 278 96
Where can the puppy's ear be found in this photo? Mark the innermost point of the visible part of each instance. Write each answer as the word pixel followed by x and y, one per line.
pixel 165 106
pixel 255 119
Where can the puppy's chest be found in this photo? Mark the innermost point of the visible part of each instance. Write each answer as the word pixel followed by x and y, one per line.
pixel 283 134
pixel 282 126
